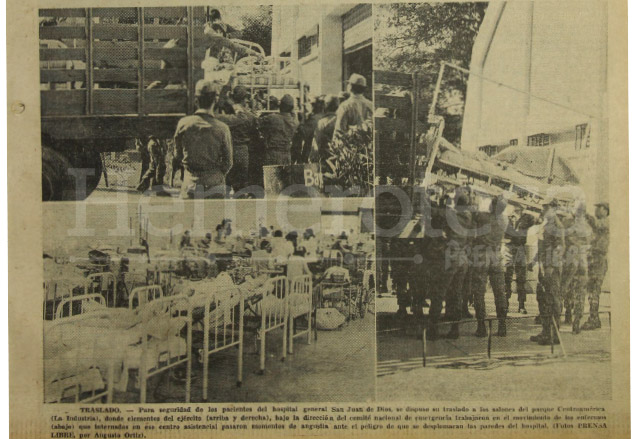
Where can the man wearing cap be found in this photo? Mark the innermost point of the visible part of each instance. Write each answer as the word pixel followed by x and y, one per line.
pixel 551 247
pixel 356 109
pixel 575 261
pixel 243 128
pixel 597 262
pixel 324 131
pixel 278 129
pixel 204 145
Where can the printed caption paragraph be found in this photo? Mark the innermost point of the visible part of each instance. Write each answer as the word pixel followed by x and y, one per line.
pixel 141 422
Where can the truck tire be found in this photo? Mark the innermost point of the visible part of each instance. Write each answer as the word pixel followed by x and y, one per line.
pixel 57 183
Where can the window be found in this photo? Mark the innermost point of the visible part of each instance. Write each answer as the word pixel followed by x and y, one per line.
pixel 541 139
pixel 582 136
pixel 513 142
pixel 306 43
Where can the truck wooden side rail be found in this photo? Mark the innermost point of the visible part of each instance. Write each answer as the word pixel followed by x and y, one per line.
pixel 110 75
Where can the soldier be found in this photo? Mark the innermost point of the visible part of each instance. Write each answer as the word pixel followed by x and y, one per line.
pixel 204 145
pixel 185 241
pixel 597 262
pixel 154 175
pixel 516 263
pixel 550 256
pixel 278 130
pixel 448 265
pixel 400 273
pixel 306 131
pixel 488 265
pixel 439 275
pixel 576 251
pixel 356 109
pixel 324 132
pixel 243 128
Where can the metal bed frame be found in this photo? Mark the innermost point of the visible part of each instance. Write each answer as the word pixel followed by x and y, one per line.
pixel 273 319
pixel 174 307
pixel 59 312
pixel 300 286
pixel 94 396
pixel 220 334
pixel 145 295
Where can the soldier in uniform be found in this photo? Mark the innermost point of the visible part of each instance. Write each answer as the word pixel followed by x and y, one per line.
pixel 438 274
pixel 576 251
pixel 400 274
pixel 550 255
pixel 278 130
pixel 597 262
pixel 154 175
pixel 516 263
pixel 488 265
pixel 448 263
pixel 243 128
pixel 356 109
pixel 324 132
pixel 204 145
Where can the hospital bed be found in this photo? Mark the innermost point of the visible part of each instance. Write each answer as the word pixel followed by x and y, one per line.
pixel 300 303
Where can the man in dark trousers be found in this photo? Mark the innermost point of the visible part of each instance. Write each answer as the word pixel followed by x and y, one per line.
pixel 278 130
pixel 324 131
pixel 515 240
pixel 154 175
pixel 488 265
pixel 243 128
pixel 204 145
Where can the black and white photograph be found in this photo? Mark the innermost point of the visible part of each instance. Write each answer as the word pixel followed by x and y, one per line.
pixel 240 302
pixel 492 204
pixel 206 102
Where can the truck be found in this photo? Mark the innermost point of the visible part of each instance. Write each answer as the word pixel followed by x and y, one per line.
pixel 109 76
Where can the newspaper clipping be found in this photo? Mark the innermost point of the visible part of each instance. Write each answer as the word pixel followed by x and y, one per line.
pixel 318 219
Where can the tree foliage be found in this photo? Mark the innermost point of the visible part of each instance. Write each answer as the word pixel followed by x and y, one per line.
pixel 417 37
pixel 257 27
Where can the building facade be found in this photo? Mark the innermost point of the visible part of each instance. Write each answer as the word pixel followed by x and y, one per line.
pixel 326 43
pixel 539 80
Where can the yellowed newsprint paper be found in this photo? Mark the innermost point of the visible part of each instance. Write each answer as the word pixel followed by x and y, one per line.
pixel 318 219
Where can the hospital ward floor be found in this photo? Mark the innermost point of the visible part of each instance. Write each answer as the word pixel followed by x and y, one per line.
pixel 339 366
pixel 516 368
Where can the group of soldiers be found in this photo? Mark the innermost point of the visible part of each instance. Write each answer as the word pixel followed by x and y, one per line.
pixel 462 241
pixel 225 143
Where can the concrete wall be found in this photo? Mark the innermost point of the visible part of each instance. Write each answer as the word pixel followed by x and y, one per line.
pixel 541 68
pixel 322 69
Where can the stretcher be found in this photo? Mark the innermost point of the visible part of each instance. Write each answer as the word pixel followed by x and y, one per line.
pixel 300 303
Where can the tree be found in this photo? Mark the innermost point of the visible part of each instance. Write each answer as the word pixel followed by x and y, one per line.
pixel 418 37
pixel 257 27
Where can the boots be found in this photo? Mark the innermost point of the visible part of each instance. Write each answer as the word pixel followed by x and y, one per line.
pixel 576 326
pixel 454 332
pixel 480 329
pixel 568 316
pixel 432 333
pixel 502 329
pixel 591 324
